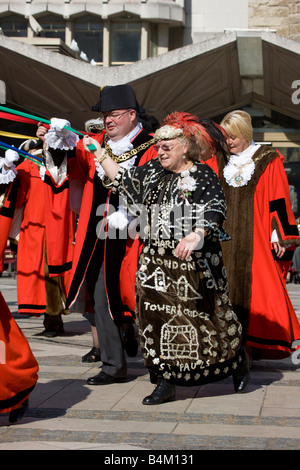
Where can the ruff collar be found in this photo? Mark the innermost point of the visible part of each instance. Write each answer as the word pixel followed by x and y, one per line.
pixel 240 168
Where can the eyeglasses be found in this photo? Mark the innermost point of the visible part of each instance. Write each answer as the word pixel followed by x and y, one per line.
pixel 115 116
pixel 165 147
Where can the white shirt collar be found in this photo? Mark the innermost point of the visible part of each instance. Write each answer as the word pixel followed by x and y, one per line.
pixel 124 145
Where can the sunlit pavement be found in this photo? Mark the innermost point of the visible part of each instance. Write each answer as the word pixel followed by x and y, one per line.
pixel 65 413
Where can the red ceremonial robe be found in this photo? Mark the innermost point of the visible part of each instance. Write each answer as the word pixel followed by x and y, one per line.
pixel 256 285
pixel 18 366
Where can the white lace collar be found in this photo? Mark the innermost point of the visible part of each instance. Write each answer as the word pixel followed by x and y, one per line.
pixel 240 168
pixel 7 176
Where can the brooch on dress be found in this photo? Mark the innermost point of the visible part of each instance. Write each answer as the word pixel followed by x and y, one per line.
pixel 238 171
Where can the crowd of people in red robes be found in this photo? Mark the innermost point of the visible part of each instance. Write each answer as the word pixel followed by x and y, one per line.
pixel 64 189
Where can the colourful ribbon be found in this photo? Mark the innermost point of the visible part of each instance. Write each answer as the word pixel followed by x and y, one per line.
pixel 46 121
pixel 35 118
pixel 17 136
pixel 12 117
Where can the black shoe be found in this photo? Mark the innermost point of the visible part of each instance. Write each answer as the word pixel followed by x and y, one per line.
pixel 92 356
pixel 163 393
pixel 241 377
pixel 241 385
pixel 53 333
pixel 18 413
pixel 104 379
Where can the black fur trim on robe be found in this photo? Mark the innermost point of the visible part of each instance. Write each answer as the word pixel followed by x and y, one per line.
pixel 238 252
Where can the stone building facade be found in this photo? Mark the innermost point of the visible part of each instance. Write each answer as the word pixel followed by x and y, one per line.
pixel 114 32
pixel 281 15
pixel 204 56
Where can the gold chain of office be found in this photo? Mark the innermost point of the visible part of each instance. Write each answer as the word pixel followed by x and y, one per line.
pixel 106 181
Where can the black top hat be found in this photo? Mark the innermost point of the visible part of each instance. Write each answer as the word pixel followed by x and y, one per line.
pixel 31 144
pixel 117 97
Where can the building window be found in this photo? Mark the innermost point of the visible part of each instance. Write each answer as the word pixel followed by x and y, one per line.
pixel 125 41
pixel 53 27
pixel 175 38
pixel 88 33
pixel 153 40
pixel 14 25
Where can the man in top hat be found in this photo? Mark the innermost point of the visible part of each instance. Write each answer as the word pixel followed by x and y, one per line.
pixel 96 258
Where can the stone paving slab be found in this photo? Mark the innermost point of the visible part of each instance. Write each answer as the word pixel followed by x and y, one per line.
pixel 67 414
pixel 46 445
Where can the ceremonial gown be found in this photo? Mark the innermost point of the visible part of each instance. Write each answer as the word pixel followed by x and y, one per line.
pixel 18 366
pixel 256 285
pixel 188 331
pixel 46 231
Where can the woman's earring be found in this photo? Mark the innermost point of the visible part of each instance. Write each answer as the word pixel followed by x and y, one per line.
pixel 184 157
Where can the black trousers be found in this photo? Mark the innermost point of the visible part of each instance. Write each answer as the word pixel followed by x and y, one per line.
pixel 109 332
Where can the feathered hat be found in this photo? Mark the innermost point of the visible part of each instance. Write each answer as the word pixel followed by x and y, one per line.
pixel 181 124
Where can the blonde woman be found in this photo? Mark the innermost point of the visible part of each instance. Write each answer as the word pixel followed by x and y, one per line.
pixel 263 234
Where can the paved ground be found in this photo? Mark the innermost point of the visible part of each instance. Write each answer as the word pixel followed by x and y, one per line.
pixel 65 413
